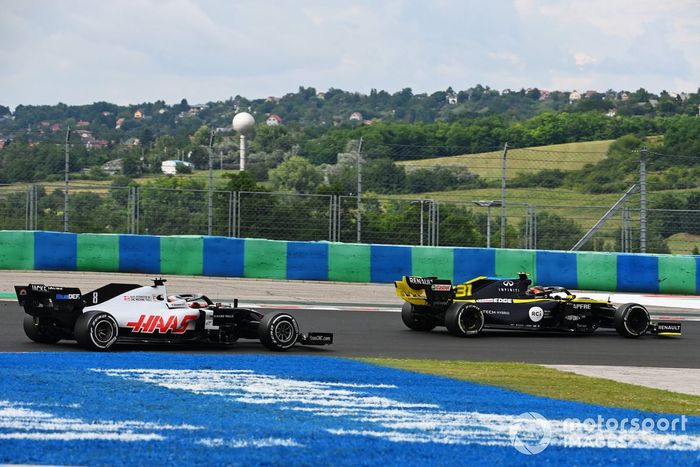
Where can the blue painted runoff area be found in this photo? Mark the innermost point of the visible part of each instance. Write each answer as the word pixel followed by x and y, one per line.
pixel 142 408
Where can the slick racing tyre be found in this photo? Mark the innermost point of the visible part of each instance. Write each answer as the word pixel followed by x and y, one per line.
pixel 96 330
pixel 278 331
pixel 40 333
pixel 416 317
pixel 463 319
pixel 631 320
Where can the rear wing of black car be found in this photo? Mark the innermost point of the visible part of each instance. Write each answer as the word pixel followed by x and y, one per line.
pixel 424 290
pixel 41 300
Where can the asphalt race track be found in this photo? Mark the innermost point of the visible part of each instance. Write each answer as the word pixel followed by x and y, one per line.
pixel 381 334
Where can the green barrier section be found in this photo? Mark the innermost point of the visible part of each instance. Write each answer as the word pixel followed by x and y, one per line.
pixel 98 252
pixel 677 274
pixel 509 263
pixel 182 255
pixel 349 262
pixel 16 249
pixel 596 271
pixel 266 259
pixel 432 261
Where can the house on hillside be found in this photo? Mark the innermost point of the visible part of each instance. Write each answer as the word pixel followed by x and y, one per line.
pixel 170 167
pixel 114 166
pixel 356 117
pixel 139 114
pixel 120 122
pixel 273 120
pixel 575 96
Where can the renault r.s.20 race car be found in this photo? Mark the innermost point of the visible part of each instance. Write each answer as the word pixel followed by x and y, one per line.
pixel 488 303
pixel 147 314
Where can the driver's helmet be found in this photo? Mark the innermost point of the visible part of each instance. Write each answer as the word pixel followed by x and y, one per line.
pixel 537 290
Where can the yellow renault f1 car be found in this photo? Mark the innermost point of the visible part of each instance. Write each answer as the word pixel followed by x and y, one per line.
pixel 492 303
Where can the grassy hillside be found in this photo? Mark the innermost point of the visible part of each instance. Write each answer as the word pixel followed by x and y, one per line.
pixel 570 156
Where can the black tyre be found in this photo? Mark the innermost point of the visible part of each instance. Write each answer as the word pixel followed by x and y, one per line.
pixel 416 317
pixel 278 331
pixel 96 330
pixel 463 319
pixel 40 333
pixel 632 320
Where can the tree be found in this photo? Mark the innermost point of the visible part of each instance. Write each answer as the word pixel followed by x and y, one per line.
pixel 383 176
pixel 242 181
pixel 297 174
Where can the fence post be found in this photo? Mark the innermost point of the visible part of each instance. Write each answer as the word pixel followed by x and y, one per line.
pixel 503 196
pixel 359 192
pixel 643 200
pixel 65 188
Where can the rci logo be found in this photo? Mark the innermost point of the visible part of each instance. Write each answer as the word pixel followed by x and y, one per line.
pixel 536 313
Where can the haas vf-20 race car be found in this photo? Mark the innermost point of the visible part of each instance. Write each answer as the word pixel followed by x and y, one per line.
pixel 489 303
pixel 147 314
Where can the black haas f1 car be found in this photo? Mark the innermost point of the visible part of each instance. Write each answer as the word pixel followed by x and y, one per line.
pixel 487 303
pixel 147 314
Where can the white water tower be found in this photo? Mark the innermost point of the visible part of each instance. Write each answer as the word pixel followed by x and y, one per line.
pixel 242 123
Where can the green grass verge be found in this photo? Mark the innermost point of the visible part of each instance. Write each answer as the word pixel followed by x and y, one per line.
pixel 548 382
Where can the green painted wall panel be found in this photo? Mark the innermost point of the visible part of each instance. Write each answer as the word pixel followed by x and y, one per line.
pixel 182 255
pixel 349 262
pixel 596 271
pixel 433 261
pixel 16 249
pixel 265 259
pixel 98 252
pixel 509 263
pixel 677 274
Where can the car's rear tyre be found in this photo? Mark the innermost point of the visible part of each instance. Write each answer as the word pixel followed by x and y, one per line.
pixel 278 331
pixel 40 333
pixel 463 319
pixel 416 317
pixel 632 320
pixel 96 330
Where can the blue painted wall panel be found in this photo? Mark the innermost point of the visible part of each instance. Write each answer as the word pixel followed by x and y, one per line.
pixel 697 275
pixel 223 256
pixel 637 273
pixel 473 262
pixel 389 263
pixel 557 268
pixel 307 261
pixel 55 251
pixel 139 253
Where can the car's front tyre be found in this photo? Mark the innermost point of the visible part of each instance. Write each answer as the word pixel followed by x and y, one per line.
pixel 40 333
pixel 96 330
pixel 416 317
pixel 464 319
pixel 278 331
pixel 632 320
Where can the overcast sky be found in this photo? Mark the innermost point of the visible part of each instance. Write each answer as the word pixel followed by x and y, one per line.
pixel 133 51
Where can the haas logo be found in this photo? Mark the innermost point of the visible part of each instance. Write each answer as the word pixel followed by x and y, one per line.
pixel 149 324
